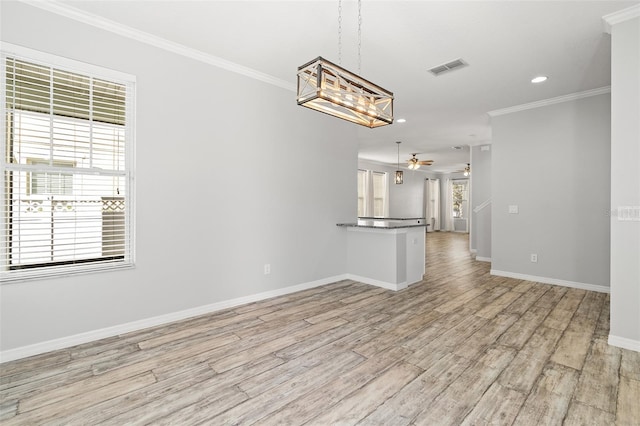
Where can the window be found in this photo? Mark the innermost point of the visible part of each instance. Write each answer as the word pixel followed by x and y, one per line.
pixel 67 167
pixel 362 179
pixel 459 198
pixel 372 194
pixel 39 183
pixel 379 193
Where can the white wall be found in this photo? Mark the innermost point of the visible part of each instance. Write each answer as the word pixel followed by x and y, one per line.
pixel 406 200
pixel 625 183
pixel 220 189
pixel 480 235
pixel 554 163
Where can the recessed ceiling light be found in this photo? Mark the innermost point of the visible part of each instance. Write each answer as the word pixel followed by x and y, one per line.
pixel 456 147
pixel 539 79
pixel 401 120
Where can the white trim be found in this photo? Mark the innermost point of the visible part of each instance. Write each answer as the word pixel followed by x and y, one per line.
pixel 551 101
pixel 67 64
pixel 614 18
pixel 553 281
pixel 90 336
pixel 487 142
pixel 377 283
pixel 482 206
pixel 483 259
pixel 623 342
pixel 159 42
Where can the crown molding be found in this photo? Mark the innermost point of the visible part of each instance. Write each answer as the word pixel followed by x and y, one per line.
pixel 608 21
pixel 551 101
pixel 481 143
pixel 76 14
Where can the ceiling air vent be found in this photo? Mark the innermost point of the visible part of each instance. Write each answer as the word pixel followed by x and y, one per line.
pixel 449 66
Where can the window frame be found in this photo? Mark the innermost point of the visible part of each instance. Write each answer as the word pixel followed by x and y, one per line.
pixel 383 197
pixel 369 196
pixel 79 266
pixel 464 197
pixel 56 163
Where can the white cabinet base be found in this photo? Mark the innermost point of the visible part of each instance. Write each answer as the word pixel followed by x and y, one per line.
pixel 388 258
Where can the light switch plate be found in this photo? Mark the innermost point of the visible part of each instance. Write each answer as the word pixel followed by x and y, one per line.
pixel 629 213
pixel 513 209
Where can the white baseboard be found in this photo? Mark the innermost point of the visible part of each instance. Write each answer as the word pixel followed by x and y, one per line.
pixel 483 259
pixel 90 336
pixel 553 281
pixel 377 283
pixel 623 342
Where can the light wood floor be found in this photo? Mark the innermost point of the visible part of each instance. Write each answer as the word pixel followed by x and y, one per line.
pixel 462 347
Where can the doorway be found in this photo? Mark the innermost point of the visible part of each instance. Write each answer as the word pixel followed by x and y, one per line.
pixel 460 205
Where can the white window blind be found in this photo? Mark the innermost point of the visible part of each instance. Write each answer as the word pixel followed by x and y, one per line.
pixel 362 180
pixel 372 193
pixel 379 193
pixel 67 178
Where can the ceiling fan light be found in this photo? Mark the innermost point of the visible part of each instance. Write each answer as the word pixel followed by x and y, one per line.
pixel 331 89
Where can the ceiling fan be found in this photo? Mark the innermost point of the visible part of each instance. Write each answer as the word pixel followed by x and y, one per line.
pixel 413 163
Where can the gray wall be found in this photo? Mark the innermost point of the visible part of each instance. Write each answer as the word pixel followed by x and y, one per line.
pixel 554 163
pixel 480 235
pixel 220 189
pixel 406 200
pixel 625 184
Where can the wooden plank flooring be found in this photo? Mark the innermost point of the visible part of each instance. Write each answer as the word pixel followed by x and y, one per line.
pixel 462 347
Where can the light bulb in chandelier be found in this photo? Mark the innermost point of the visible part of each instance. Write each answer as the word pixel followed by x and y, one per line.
pixel 413 164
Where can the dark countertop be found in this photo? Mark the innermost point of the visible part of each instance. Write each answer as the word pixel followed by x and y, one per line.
pixel 386 223
pixel 390 218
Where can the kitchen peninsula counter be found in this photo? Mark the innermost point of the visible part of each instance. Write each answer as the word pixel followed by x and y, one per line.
pixel 386 252
pixel 385 223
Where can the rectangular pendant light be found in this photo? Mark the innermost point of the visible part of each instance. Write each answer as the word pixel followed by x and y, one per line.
pixel 329 88
pixel 398 177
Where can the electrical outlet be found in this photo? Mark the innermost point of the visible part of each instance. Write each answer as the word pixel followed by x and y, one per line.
pixel 513 209
pixel 534 258
pixel 267 268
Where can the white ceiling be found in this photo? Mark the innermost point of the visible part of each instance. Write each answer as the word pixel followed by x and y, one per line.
pixel 506 43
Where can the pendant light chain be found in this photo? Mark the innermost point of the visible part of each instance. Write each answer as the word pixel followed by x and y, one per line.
pixel 359 34
pixel 327 87
pixel 339 32
pixel 398 175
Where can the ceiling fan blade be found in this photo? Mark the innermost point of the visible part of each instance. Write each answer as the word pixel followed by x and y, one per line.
pixel 425 162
